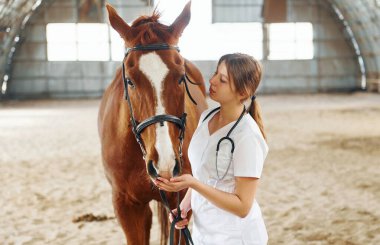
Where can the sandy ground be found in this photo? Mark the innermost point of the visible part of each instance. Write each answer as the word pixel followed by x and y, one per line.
pixel 320 185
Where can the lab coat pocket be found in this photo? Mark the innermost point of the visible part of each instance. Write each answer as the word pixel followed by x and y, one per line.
pixel 257 233
pixel 225 220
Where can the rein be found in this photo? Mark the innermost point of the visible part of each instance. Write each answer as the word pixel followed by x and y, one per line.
pixel 137 129
pixel 176 218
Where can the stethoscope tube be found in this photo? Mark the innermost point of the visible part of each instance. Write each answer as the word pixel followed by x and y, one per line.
pixel 229 139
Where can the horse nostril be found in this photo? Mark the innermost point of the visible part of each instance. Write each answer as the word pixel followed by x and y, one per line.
pixel 177 168
pixel 152 170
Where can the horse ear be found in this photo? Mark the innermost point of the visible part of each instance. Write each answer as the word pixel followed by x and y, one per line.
pixel 117 22
pixel 182 21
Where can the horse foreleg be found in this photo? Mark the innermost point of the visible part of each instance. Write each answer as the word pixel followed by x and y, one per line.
pixel 135 220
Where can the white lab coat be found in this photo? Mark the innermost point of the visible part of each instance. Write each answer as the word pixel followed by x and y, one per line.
pixel 213 225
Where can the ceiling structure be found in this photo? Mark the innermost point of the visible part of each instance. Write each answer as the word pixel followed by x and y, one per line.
pixel 14 15
pixel 362 18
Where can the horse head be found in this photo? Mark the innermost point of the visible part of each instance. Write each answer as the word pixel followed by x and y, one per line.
pixel 154 86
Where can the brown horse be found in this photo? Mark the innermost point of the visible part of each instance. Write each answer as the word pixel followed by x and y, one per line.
pixel 152 85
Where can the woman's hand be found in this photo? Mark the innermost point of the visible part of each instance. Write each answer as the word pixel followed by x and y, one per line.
pixel 176 183
pixel 182 223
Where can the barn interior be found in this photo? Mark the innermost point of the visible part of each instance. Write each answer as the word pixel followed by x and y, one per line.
pixel 319 96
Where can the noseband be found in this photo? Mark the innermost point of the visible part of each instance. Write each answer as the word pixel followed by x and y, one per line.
pixel 180 122
pixel 138 128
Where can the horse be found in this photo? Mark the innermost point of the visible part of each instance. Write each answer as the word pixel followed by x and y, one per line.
pixel 150 87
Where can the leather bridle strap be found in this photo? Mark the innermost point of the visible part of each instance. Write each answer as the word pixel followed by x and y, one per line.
pixel 132 118
pixel 151 47
pixel 180 122
pixel 184 79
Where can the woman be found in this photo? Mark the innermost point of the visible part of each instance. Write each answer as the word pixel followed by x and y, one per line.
pixel 222 189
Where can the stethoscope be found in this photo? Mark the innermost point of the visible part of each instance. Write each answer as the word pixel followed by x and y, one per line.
pixel 225 138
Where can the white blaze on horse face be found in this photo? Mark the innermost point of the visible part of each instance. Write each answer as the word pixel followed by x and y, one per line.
pixel 155 70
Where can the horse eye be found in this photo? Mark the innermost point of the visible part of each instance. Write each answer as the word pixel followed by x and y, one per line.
pixel 131 64
pixel 130 83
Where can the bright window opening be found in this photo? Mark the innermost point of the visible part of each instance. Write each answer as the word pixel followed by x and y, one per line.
pixel 291 41
pixel 222 38
pixel 202 40
pixel 61 42
pixel 82 42
pixel 117 45
pixel 93 42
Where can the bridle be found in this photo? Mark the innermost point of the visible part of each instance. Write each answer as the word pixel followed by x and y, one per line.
pixel 137 128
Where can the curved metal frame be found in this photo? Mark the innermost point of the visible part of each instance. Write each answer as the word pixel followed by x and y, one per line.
pixel 15 42
pixel 353 42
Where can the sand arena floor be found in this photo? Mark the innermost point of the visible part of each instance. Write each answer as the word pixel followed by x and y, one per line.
pixel 320 185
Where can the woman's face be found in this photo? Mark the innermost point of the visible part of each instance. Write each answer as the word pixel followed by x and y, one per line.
pixel 222 88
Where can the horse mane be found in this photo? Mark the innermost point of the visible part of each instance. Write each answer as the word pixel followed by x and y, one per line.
pixel 145 18
pixel 150 30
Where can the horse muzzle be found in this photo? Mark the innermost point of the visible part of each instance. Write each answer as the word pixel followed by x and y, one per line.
pixel 154 172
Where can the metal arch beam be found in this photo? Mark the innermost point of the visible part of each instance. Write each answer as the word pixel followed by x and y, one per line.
pixel 338 11
pixel 12 39
pixel 367 38
pixel 363 20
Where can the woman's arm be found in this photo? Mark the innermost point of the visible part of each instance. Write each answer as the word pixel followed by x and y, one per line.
pixel 186 202
pixel 238 203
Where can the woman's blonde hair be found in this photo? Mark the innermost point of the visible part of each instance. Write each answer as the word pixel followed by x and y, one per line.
pixel 245 72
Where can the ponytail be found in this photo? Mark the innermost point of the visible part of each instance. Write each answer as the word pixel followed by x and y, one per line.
pixel 255 112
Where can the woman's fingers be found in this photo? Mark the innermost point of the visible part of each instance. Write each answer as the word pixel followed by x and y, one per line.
pixel 176 179
pixel 162 185
pixel 167 186
pixel 183 213
pixel 163 180
pixel 174 184
pixel 181 224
